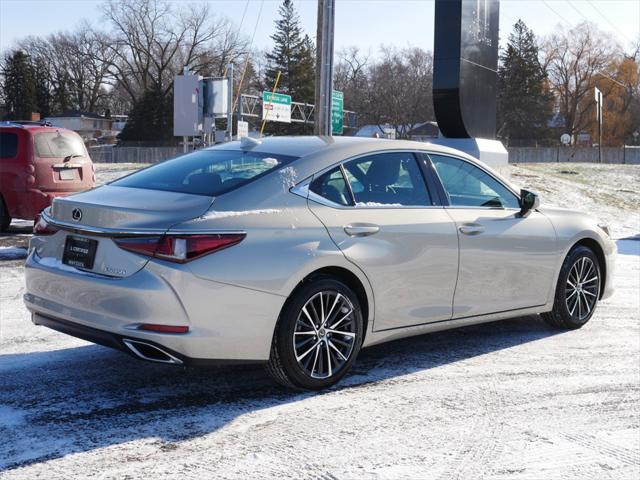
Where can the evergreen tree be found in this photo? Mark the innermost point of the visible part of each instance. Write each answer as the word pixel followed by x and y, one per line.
pixel 293 55
pixel 151 119
pixel 62 94
pixel 525 103
pixel 19 87
pixel 43 94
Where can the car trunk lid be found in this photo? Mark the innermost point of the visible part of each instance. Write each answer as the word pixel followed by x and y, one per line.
pixel 90 222
pixel 128 209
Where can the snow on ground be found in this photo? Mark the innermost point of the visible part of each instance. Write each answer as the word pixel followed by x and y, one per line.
pixel 505 400
pixel 609 192
pixel 108 172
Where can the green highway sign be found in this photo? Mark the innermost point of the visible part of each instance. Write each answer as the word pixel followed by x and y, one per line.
pixel 276 107
pixel 337 111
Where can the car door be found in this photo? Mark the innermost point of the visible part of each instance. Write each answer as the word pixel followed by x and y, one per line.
pixel 507 261
pixel 379 212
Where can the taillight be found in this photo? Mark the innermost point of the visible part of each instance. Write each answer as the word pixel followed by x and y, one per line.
pixel 41 227
pixel 179 248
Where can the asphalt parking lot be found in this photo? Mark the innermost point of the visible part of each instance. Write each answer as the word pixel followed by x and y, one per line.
pixel 505 400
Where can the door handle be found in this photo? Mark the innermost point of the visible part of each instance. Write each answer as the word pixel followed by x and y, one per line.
pixel 361 229
pixel 471 229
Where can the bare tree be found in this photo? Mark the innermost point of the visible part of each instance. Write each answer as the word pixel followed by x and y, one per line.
pixel 574 59
pixel 152 42
pixel 76 65
pixel 393 89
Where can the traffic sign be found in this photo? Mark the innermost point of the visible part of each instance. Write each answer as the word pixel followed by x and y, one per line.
pixel 243 129
pixel 337 111
pixel 276 107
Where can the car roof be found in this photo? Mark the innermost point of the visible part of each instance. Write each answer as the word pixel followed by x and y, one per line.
pixel 310 145
pixel 30 127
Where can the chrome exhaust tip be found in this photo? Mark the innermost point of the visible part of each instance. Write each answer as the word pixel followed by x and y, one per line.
pixel 150 352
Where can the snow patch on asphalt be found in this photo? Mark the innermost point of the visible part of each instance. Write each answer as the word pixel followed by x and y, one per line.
pixel 12 253
pixel 11 417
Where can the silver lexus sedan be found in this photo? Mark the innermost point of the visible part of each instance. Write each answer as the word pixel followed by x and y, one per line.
pixel 298 252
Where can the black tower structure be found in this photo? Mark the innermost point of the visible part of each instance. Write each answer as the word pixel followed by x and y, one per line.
pixel 465 63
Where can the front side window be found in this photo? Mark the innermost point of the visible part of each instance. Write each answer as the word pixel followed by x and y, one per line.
pixel 8 145
pixel 207 172
pixel 469 186
pixel 332 186
pixel 392 179
pixel 59 145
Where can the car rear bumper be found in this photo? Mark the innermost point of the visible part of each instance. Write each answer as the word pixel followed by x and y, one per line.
pixel 226 322
pixel 124 343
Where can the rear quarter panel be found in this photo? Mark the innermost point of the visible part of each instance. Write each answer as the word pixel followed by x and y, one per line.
pixel 285 242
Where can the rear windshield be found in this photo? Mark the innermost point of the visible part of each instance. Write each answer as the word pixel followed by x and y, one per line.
pixel 59 144
pixel 207 172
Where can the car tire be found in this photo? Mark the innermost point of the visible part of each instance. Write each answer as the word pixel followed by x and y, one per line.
pixel 577 291
pixel 313 356
pixel 5 218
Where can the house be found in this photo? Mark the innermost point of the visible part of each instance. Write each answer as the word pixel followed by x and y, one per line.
pixel 86 124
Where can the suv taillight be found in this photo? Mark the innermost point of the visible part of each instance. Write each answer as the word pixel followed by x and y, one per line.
pixel 41 227
pixel 179 248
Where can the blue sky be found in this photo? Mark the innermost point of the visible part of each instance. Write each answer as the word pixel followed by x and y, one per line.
pixel 364 23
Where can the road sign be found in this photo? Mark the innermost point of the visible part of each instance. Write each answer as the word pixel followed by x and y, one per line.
pixel 337 110
pixel 243 129
pixel 276 107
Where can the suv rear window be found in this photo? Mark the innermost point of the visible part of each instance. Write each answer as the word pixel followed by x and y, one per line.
pixel 207 172
pixel 58 145
pixel 8 145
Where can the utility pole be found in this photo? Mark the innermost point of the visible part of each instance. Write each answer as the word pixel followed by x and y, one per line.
pixel 598 95
pixel 324 66
pixel 229 134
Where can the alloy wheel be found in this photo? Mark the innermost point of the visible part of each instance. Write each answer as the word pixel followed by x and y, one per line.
pixel 583 285
pixel 324 334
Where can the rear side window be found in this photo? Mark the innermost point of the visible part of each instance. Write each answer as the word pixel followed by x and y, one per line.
pixel 59 145
pixel 333 187
pixel 392 179
pixel 207 172
pixel 8 145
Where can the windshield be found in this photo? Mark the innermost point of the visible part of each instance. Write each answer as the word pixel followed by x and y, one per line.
pixel 207 172
pixel 59 144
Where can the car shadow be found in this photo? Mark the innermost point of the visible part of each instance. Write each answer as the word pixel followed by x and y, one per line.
pixel 79 399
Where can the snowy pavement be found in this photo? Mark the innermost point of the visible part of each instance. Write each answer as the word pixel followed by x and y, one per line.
pixel 505 400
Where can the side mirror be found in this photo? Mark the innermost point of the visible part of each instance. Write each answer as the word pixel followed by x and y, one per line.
pixel 528 201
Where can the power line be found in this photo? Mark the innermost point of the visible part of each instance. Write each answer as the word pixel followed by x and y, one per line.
pixel 246 62
pixel 557 14
pixel 569 24
pixel 614 26
pixel 576 10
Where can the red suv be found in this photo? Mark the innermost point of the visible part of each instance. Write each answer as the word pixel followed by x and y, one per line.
pixel 37 163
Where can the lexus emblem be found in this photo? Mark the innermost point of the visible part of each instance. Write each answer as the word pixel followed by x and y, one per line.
pixel 76 214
